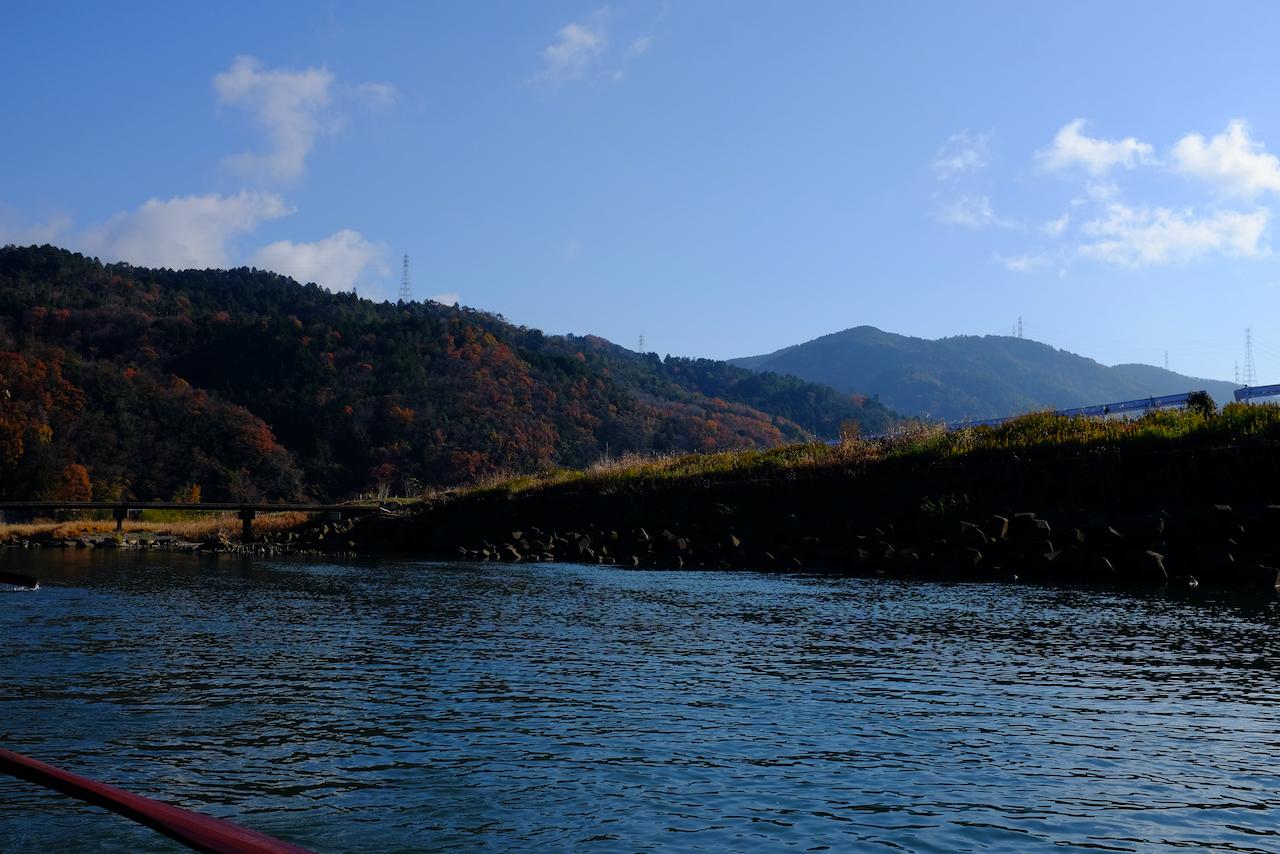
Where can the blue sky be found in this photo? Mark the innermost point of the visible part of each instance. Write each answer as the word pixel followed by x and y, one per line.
pixel 722 178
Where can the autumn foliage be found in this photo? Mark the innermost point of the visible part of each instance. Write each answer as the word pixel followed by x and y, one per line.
pixel 242 384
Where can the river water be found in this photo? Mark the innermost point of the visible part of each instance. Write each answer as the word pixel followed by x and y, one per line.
pixel 398 706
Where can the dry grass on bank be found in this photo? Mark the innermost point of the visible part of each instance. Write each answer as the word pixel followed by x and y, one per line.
pixel 192 527
pixel 1035 433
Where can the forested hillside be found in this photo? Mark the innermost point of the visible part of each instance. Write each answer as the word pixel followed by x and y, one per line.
pixel 969 376
pixel 238 384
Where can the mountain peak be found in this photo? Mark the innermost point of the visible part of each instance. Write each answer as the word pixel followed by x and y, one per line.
pixel 969 376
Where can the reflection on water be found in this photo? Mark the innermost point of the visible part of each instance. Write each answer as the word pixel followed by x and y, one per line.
pixel 411 706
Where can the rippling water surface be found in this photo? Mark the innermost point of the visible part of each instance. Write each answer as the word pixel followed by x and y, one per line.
pixel 416 706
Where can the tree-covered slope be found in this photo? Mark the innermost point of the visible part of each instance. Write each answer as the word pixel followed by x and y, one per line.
pixel 969 376
pixel 119 380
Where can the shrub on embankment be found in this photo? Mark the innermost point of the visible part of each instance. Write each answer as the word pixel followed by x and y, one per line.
pixel 914 503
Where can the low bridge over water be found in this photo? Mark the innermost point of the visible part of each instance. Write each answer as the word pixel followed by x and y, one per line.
pixel 244 512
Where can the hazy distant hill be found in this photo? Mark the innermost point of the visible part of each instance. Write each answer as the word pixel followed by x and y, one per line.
pixel 240 384
pixel 970 376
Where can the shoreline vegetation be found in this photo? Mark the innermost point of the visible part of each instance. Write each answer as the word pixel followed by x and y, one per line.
pixel 1185 497
pixel 1037 433
pixel 154 529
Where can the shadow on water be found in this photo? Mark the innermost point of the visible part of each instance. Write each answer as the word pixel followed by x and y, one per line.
pixel 411 706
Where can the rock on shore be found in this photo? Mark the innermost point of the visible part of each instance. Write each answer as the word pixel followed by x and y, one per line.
pixel 1217 547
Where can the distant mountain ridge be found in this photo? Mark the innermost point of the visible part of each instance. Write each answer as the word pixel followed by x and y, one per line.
pixel 970 376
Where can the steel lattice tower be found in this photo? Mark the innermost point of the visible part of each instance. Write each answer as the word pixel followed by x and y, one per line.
pixel 406 295
pixel 1250 373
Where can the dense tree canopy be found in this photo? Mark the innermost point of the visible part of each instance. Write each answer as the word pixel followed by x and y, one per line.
pixel 243 384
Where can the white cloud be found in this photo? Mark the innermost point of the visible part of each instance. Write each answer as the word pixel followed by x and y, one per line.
pixel 1102 192
pixel 578 48
pixel 962 153
pixel 183 232
pixel 1071 147
pixel 583 49
pixel 1231 161
pixel 335 262
pixel 288 104
pixel 1056 227
pixel 294 107
pixel 970 211
pixel 1146 237
pixel 1027 263
pixel 15 231
pixel 444 299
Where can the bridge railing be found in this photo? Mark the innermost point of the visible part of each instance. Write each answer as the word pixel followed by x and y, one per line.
pixel 1141 404
pixel 245 512
pixel 1251 392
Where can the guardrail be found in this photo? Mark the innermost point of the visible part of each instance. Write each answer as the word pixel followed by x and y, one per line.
pixel 1250 392
pixel 1142 404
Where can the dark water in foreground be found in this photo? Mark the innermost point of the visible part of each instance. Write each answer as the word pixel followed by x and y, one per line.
pixel 411 706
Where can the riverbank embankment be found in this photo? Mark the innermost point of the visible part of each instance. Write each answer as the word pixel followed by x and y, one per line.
pixel 1184 498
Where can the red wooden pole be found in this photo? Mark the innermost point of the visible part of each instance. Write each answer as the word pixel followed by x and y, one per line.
pixel 201 832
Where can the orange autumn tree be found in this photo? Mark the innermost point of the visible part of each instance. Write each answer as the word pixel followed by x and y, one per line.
pixel 73 484
pixel 187 494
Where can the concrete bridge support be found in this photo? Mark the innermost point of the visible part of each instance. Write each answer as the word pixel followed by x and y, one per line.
pixel 246 525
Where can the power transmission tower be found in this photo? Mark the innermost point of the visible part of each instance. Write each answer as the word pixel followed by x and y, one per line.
pixel 1250 374
pixel 1019 327
pixel 406 295
pixel 1166 360
pixel 640 345
pixel 1237 373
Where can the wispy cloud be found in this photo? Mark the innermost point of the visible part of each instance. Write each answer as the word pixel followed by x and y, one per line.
pixel 972 211
pixel 577 50
pixel 639 47
pixel 1070 147
pixel 1056 227
pixel 293 107
pixel 1146 237
pixel 184 231
pixel 583 50
pixel 374 94
pixel 1100 226
pixel 1027 263
pixel 336 262
pixel 19 232
pixel 1231 161
pixel 963 153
